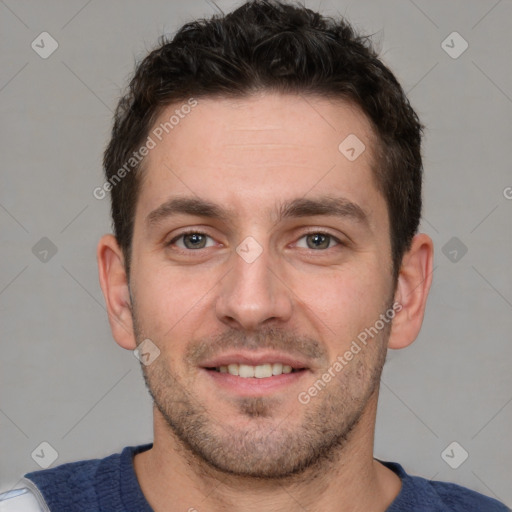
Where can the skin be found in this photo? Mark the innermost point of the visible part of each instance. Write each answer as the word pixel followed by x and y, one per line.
pixel 213 448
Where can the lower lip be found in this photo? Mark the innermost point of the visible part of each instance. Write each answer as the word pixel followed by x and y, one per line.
pixel 252 386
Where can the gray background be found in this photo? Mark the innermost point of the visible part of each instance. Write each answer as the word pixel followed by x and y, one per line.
pixel 65 381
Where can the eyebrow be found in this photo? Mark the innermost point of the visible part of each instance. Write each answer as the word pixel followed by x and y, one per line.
pixel 324 205
pixel 296 208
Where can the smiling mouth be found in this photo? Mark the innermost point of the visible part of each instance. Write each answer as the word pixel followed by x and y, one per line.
pixel 260 371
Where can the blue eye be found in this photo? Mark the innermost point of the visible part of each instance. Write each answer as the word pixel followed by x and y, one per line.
pixel 319 240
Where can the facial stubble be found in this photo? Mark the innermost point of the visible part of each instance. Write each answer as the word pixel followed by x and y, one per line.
pixel 268 447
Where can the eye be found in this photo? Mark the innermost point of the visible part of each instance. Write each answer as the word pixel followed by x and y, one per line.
pixel 191 240
pixel 319 240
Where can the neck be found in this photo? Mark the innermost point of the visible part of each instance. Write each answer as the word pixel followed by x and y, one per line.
pixel 350 480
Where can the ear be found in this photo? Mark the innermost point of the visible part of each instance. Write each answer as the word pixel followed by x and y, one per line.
pixel 414 280
pixel 114 285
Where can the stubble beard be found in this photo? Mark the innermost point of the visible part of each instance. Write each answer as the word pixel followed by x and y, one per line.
pixel 269 448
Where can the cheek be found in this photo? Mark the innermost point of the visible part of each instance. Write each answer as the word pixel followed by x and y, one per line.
pixel 168 299
pixel 346 302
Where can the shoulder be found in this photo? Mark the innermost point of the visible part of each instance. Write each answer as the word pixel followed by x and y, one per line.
pixel 73 482
pixel 78 485
pixel 461 498
pixel 420 494
pixel 52 489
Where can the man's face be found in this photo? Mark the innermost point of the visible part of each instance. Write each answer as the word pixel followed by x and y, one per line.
pixel 264 285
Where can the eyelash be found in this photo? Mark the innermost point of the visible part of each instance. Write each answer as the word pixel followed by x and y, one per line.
pixel 195 232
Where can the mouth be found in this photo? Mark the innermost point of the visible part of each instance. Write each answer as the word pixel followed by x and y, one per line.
pixel 261 371
pixel 248 375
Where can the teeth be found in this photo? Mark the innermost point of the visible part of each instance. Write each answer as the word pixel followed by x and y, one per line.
pixel 233 369
pixel 260 371
pixel 277 369
pixel 244 370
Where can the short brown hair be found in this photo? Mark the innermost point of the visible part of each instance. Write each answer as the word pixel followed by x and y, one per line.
pixel 279 47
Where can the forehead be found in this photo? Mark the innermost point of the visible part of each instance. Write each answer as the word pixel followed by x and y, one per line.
pixel 249 152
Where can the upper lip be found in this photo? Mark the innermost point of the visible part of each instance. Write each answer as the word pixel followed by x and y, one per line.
pixel 253 359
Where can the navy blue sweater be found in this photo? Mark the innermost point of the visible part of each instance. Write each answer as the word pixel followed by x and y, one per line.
pixel 110 485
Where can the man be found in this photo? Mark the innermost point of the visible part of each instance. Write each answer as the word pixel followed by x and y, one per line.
pixel 265 175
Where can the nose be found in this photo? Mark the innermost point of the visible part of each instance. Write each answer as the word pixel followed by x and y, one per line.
pixel 253 294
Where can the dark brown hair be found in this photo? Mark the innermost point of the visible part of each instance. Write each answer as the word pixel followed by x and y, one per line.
pixel 267 45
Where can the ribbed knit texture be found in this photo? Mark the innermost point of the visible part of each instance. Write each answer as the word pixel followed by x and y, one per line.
pixel 421 495
pixel 110 485
pixel 106 485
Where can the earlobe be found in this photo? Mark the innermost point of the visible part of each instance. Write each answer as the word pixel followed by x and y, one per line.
pixel 414 280
pixel 114 285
